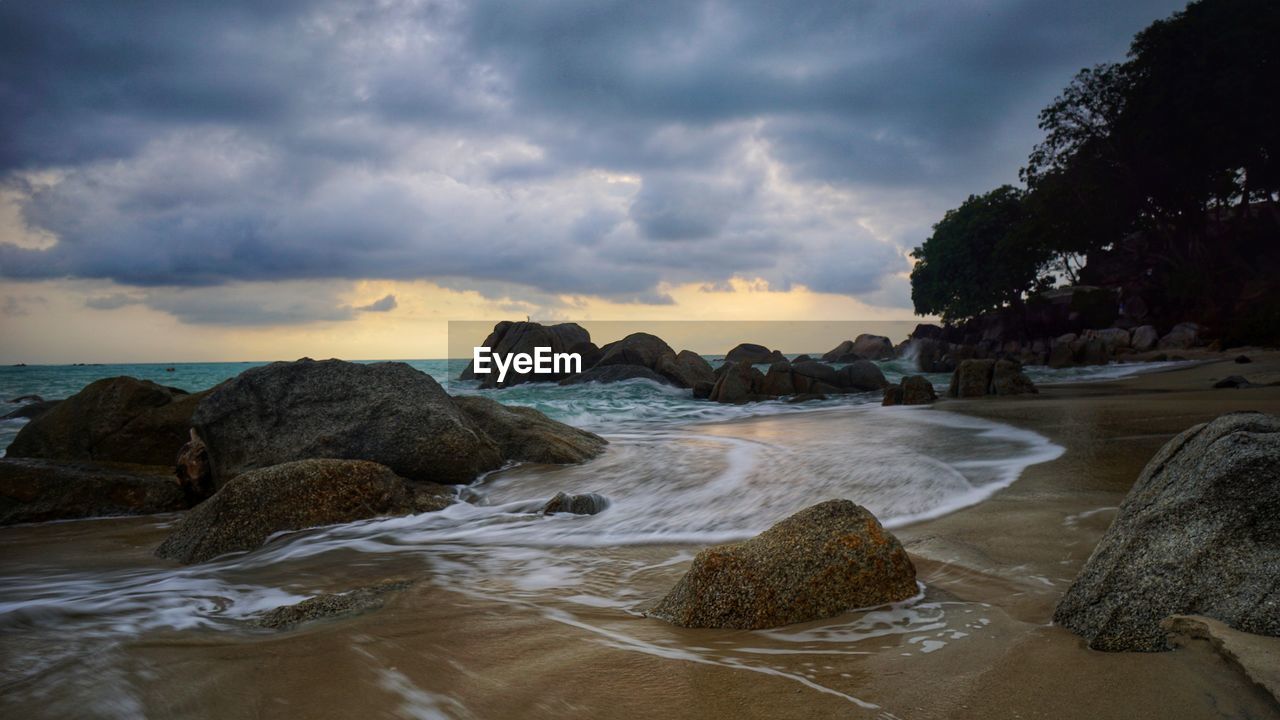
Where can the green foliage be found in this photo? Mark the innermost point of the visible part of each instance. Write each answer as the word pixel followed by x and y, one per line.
pixel 977 259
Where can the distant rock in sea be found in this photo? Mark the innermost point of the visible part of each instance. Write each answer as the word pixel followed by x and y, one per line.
pixel 822 561
pixel 1199 534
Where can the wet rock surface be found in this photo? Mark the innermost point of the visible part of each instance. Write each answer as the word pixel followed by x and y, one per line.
pixel 39 490
pixel 582 504
pixel 332 605
pixel 526 435
pixel 820 562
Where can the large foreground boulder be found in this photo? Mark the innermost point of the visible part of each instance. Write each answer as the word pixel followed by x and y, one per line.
pixel 35 490
pixel 387 413
pixel 120 419
pixel 1199 534
pixel 822 561
pixel 293 496
pixel 527 435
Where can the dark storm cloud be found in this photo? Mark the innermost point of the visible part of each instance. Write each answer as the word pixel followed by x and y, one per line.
pixel 581 148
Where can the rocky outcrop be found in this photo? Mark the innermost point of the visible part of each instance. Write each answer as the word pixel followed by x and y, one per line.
pixel 1198 534
pixel 522 337
pixel 865 347
pixel 911 390
pixel 1144 338
pixel 120 419
pixel 841 353
pixel 1181 337
pixel 742 382
pixel 294 496
pixel 524 434
pixel 737 383
pixel 332 605
pixel 584 504
pixel 753 354
pixel 37 490
pixel 822 561
pixel 977 378
pixel 615 373
pixel 642 349
pixel 387 413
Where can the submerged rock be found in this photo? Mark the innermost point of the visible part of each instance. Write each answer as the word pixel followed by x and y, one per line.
pixel 1199 534
pixel 527 435
pixel 822 561
pixel 584 504
pixel 294 496
pixel 387 413
pixel 38 490
pixel 120 419
pixel 331 605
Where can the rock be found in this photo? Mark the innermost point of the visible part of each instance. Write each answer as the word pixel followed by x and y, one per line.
pixel 32 410
pixel 385 412
pixel 703 390
pixel 686 369
pixel 1091 352
pixel 1144 338
pixel 754 354
pixel 841 353
pixel 526 435
pixel 193 472
pixel 815 377
pixel 911 390
pixel 861 375
pixel 615 373
pixel 971 379
pixel 522 337
pixel 23 399
pixel 642 349
pixel 1061 356
pixel 589 353
pixel 1181 337
pixel 38 490
pixel 120 419
pixel 1198 534
pixel 1112 338
pixel 1007 378
pixel 331 605
pixel 293 496
pixel 822 561
pixel 737 384
pixel 930 355
pixel 802 358
pixel 584 504
pixel 1242 360
pixel 927 331
pixel 1234 381
pixel 777 381
pixel 873 347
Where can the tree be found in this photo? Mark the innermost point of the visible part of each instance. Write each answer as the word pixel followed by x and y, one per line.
pixel 978 258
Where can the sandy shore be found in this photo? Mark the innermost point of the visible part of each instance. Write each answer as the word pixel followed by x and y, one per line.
pixel 980 645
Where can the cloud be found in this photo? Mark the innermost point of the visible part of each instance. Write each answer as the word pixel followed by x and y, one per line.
pixel 600 149
pixel 112 301
pixel 386 304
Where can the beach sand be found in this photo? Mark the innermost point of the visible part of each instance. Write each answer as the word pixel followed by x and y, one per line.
pixel 993 574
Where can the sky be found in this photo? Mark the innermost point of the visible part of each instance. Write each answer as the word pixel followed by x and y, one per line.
pixel 248 180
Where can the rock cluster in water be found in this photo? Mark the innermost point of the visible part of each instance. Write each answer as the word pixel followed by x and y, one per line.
pixel 977 378
pixel 911 390
pixel 820 562
pixel 1199 534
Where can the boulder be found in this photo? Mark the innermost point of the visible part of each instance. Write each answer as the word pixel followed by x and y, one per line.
pixel 38 490
pixel 737 384
pixel 1144 338
pixel 331 605
pixel 1182 336
pixel 971 379
pixel 386 412
pixel 294 496
pixel 686 369
pixel 589 353
pixel 802 358
pixel 522 337
pixel 1234 381
pixel 1007 378
pixel 192 470
pixel 911 390
pixel 584 504
pixel 1242 360
pixel 841 353
pixel 702 391
pixel 777 381
pixel 1113 338
pixel 1091 351
pixel 873 347
pixel 753 354
pixel 822 561
pixel 642 349
pixel 120 419
pixel 615 373
pixel 927 331
pixel 526 435
pixel 930 355
pixel 815 377
pixel 1198 534
pixel 861 375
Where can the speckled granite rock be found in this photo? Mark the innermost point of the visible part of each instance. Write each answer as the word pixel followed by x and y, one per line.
pixel 294 496
pixel 35 490
pixel 527 435
pixel 1199 534
pixel 331 605
pixel 822 561
pixel 387 412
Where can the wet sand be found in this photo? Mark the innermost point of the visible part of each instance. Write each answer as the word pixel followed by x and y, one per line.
pixel 978 645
